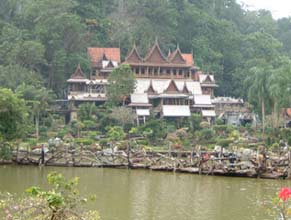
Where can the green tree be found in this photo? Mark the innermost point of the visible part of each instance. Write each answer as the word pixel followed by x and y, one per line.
pixel 87 111
pixel 258 90
pixel 114 135
pixel 38 99
pixel 11 76
pixel 121 84
pixel 13 115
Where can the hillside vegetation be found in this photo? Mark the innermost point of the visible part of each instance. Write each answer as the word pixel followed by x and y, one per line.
pixel 42 41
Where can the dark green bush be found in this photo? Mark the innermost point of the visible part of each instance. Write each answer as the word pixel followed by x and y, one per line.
pixel 90 124
pixel 5 152
pixel 220 128
pixel 142 142
pixel 224 142
pixel 62 132
pixel 219 121
pixel 195 122
pixel 206 134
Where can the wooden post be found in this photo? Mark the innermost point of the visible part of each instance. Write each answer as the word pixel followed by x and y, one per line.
pixel 17 153
pixel 191 156
pixel 81 152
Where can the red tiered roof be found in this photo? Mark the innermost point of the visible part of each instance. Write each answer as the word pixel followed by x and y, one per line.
pixel 189 58
pixel 96 54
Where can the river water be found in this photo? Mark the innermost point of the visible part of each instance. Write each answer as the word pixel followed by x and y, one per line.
pixel 146 195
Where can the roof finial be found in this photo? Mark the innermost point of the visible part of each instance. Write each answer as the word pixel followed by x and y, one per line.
pixel 178 47
pixel 156 40
pixel 134 44
pixel 169 53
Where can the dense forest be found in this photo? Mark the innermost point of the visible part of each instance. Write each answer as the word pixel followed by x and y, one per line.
pixel 42 41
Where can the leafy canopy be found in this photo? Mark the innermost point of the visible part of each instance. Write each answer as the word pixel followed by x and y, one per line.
pixel 121 84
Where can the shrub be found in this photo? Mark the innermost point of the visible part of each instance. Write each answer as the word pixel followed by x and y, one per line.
pixel 115 133
pixel 93 134
pixel 61 201
pixel 43 131
pixel 219 121
pixel 5 152
pixel 220 129
pixel 224 142
pixel 89 124
pixel 204 124
pixel 142 142
pixel 206 134
pixel 62 132
pixel 285 133
pixel 154 130
pixel 195 121
pixel 84 141
pixel 32 141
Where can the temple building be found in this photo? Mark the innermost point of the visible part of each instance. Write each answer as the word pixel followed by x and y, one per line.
pixel 82 88
pixel 166 86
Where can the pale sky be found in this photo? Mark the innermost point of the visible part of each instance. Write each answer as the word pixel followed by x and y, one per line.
pixel 279 8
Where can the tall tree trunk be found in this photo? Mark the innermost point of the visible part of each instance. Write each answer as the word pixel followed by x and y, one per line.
pixel 37 125
pixel 263 114
pixel 276 115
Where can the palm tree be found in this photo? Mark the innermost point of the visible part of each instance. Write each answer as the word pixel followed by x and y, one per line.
pixel 38 99
pixel 258 88
pixel 279 85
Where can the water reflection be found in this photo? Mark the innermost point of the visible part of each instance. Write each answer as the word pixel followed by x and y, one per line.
pixel 146 195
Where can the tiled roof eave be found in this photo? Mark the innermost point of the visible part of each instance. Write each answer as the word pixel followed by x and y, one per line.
pixel 202 106
pixel 140 104
pixel 159 64
pixel 208 85
pixel 76 80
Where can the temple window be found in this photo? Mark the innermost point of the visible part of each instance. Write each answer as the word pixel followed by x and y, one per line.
pixel 156 71
pixel 142 70
pixel 168 71
pixel 161 71
pixel 180 72
pixel 150 71
pixel 175 72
